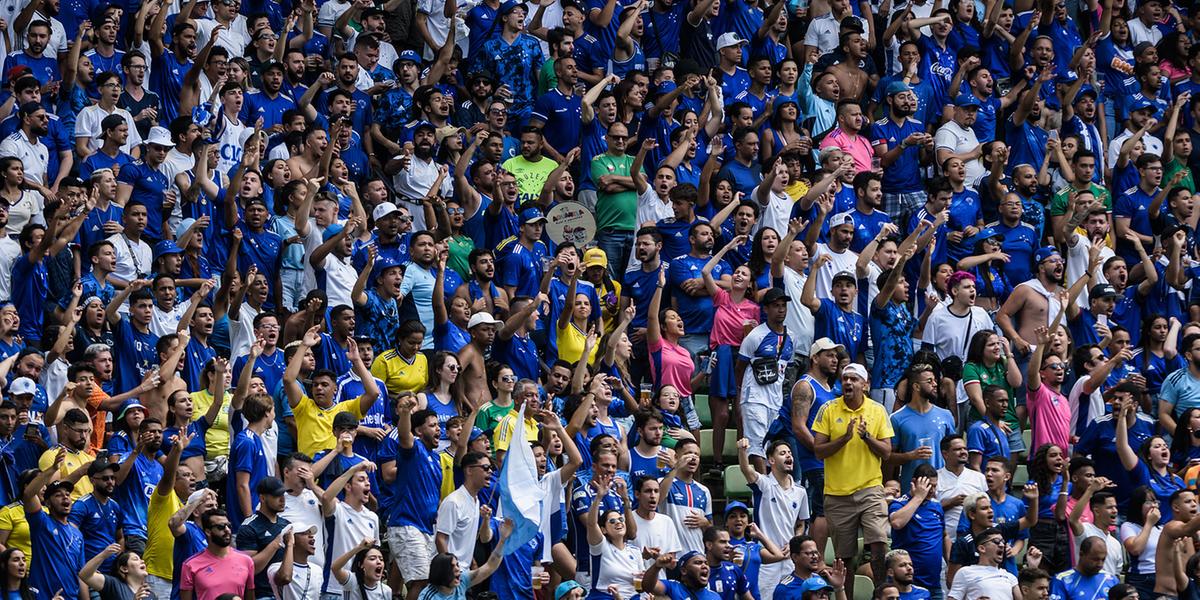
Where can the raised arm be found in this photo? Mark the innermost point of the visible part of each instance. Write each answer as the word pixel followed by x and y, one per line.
pixel 291 377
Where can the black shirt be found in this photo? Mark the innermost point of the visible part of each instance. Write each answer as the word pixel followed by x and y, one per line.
pixel 254 535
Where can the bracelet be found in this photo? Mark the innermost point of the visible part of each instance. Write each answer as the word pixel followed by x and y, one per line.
pixel 1061 494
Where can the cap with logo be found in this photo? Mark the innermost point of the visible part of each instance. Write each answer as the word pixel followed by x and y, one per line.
pixel 823 344
pixel 730 39
pixel 532 215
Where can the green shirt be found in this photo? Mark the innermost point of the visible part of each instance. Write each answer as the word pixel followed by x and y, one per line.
pixel 547 80
pixel 1058 206
pixel 489 416
pixel 531 176
pixel 614 211
pixel 1175 166
pixel 996 375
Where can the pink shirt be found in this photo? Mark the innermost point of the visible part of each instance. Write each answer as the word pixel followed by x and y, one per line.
pixel 728 319
pixel 1050 413
pixel 209 575
pixel 671 364
pixel 856 145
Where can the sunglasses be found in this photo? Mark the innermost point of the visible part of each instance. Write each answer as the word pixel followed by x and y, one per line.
pixel 455 211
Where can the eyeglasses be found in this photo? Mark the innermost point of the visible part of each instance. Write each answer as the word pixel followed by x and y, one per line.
pixel 612 520
pixel 405 219
pixel 136 67
pixel 997 541
pixel 453 368
pixel 455 211
pixel 488 468
pixel 497 111
pixel 1055 367
pixel 509 379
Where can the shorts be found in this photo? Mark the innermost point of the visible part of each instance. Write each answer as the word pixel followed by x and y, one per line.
pixel 1016 443
pixel 756 419
pixel 885 397
pixel 864 511
pixel 159 587
pixel 814 482
pixel 412 549
pixel 722 382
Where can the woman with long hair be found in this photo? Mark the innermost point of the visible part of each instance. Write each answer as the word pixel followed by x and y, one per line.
pixel 575 335
pixel 608 533
pixel 615 363
pixel 14 569
pixel 735 313
pixel 1149 465
pixel 181 408
pixel 630 99
pixel 1185 442
pixel 503 381
pixel 1048 471
pixel 990 361
pixel 1139 535
pixel 448 581
pixel 366 579
pixel 26 198
pixel 986 263
pixel 439 395
pixel 966 26
pixel 128 574
pixel 670 363
pixel 784 130
pixel 1159 355
pixel 761 251
pixel 1173 50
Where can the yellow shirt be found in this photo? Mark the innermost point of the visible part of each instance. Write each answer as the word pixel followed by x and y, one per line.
pixel 12 519
pixel 854 467
pixel 503 435
pixel 398 374
pixel 571 342
pixel 160 544
pixel 314 425
pixel 216 439
pixel 73 461
pixel 446 460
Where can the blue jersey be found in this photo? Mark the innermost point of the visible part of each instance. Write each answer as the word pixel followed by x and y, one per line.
pixel 696 311
pixel 148 186
pixel 675 235
pixel 1073 585
pixel 842 326
pixel 166 80
pixel 30 286
pixel 805 459
pixel 966 210
pixel 903 176
pixel 1019 243
pixel 937 67
pixel 195 356
pixel 417 487
pixel 516 64
pixel 1134 204
pixel 192 542
pixel 270 367
pixel 987 440
pixel 660 32
pixel 133 353
pixel 677 591
pixel 639 287
pixel 134 494
pixel 922 538
pixel 522 268
pixel 92 230
pixel 751 563
pixel 259 104
pixel 520 353
pixel 100 160
pixel 247 454
pixel 563 119
pixel 101 521
pixel 59 556
pixel 1028 143
pixel 911 427
pixel 45 69
pixel 866 227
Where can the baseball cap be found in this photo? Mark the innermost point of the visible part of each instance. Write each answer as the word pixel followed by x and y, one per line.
pixel 897 87
pixel 856 369
pixel 183 227
pixel 110 123
pixel 842 218
pixel 774 294
pixel 1102 290
pixel 166 247
pixel 822 345
pixel 1044 253
pixel 303 526
pixel 270 64
pixel 482 318
pixel 271 486
pixel 345 420
pixel 984 234
pixel 508 6
pixel 61 484
pixel 565 588
pixel 1140 104
pixel 736 505
pixel 22 386
pixel 332 230
pixel 815 583
pixel 1085 90
pixel 845 275
pixel 97 467
pixel 729 39
pixel 595 257
pixel 967 100
pixel 384 209
pixel 476 433
pixel 419 125
pixel 410 56
pixel 532 214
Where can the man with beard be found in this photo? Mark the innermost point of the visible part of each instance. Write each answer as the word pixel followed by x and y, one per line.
pixel 982 87
pixel 377 315
pixel 416 175
pixel 516 346
pixel 270 101
pixel 898 139
pixel 521 269
pixel 986 578
pixel 419 279
pixel 1025 131
pixel 900 573
pixel 514 58
pixel 390 238
pixel 481 285
pixel 530 167
pixel 143 182
pixel 639 286
pixel 1087 213
pixel 26 143
pixel 218 569
pixel 559 111
pixel 1131 212
pixel 168 67
pixel 89 133
pixel 345 77
pixel 137 477
pixel 836 317
pixel 1034 302
pixel 692 300
pixel 1079 119
pixel 263 535
pixel 957 139
pixel 37 39
pixel 1088 579
pixel 646 457
pixel 1083 169
pixel 97 515
pixel 141 103
pixel 473 380
pixel 59 542
pixel 693 576
pixel 260 247
pixel 807 565
pixel 783 503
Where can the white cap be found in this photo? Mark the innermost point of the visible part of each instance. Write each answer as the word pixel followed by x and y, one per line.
pixel 384 209
pixel 303 527
pixel 822 345
pixel 842 218
pixel 482 318
pixel 856 369
pixel 22 385
pixel 159 136
pixel 729 39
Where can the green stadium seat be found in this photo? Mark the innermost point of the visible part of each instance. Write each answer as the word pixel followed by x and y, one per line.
pixel 1027 437
pixel 1020 475
pixel 864 587
pixel 728 452
pixel 701 403
pixel 735 483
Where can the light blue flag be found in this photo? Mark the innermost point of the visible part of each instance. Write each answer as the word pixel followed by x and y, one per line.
pixel 521 495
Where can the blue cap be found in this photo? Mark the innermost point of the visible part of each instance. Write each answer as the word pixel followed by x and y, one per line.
pixel 1087 89
pixel 508 6
pixel 476 433
pixel 166 247
pixel 1141 103
pixel 689 555
pixel 1044 253
pixel 331 231
pixel 897 87
pixel 985 233
pixel 410 56
pixel 127 406
pixel 814 584
pixel 565 588
pixel 532 215
pixel 419 125
pixel 736 505
pixel 967 100
pixel 666 87
pixel 382 264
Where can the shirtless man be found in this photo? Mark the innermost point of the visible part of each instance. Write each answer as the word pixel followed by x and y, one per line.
pixel 315 151
pixel 851 78
pixel 1183 525
pixel 1036 301
pixel 472 381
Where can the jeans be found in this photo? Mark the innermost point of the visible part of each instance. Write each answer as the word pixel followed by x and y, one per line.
pixel 616 246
